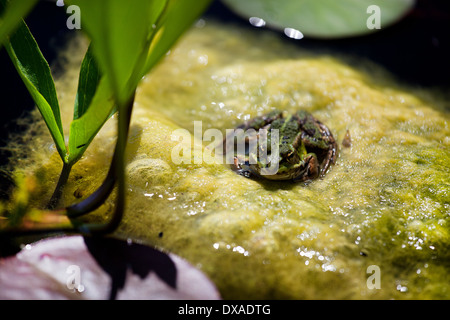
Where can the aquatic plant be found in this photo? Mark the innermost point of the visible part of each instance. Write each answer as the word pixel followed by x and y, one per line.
pixel 127 41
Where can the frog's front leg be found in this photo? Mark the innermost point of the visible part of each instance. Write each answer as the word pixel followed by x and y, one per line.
pixel 311 168
pixel 241 167
pixel 326 142
pixel 331 155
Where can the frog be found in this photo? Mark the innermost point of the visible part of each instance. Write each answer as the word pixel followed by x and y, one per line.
pixel 305 151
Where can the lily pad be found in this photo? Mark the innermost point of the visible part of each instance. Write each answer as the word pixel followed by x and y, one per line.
pixel 324 18
pixel 99 268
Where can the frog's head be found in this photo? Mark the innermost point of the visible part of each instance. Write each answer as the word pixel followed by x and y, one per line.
pixel 283 159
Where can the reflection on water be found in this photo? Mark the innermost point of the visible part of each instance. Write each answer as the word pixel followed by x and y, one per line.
pixel 293 33
pixel 257 22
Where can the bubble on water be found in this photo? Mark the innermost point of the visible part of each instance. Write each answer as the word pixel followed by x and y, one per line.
pixel 200 23
pixel 402 288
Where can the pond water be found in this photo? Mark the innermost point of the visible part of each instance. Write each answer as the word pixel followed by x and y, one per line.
pixel 385 203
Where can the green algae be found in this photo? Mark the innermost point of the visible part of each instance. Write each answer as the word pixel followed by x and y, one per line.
pixel 386 202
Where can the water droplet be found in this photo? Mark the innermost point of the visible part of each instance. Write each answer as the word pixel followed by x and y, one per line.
pixel 80 288
pixel 203 60
pixel 402 288
pixel 293 33
pixel 200 23
pixel 257 22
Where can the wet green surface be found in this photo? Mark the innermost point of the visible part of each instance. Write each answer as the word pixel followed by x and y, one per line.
pixel 386 202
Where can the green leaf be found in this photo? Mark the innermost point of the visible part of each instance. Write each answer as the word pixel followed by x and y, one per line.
pixel 12 12
pixel 128 38
pixel 177 17
pixel 324 18
pixel 120 32
pixel 86 124
pixel 87 84
pixel 35 73
pixel 84 128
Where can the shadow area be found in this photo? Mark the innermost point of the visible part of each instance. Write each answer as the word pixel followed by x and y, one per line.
pixel 116 256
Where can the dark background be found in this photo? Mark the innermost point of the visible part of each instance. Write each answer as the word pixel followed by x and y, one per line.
pixel 416 50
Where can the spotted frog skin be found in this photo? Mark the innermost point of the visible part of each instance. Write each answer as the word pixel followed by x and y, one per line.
pixel 306 147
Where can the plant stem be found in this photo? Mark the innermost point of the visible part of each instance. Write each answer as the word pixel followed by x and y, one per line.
pixel 115 173
pixel 63 177
pixel 118 166
pixel 97 198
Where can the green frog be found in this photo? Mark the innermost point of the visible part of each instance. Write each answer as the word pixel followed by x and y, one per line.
pixel 294 147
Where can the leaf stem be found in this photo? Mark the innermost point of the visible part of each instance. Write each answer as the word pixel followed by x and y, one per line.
pixel 63 177
pixel 97 198
pixel 116 173
pixel 117 170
